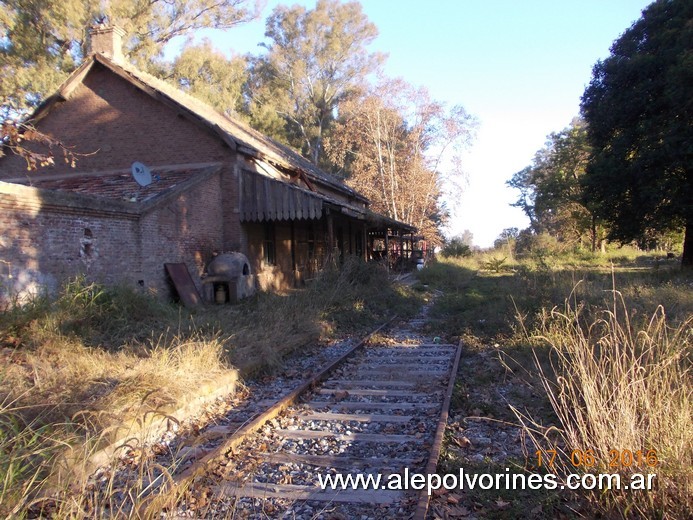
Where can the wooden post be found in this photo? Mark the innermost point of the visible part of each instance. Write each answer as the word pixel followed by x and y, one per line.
pixel 365 243
pixel 330 236
pixel 293 253
pixel 351 239
pixel 387 248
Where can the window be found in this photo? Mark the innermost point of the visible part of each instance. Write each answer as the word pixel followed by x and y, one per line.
pixel 268 245
pixel 87 247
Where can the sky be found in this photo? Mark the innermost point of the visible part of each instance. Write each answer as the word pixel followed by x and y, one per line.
pixel 518 66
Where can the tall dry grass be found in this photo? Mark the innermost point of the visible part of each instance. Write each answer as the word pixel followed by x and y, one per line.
pixel 614 366
pixel 76 367
pixel 340 301
pixel 617 386
pixel 37 483
pixel 64 402
pixel 73 371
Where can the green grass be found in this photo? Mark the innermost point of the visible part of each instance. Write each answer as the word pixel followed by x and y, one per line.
pixel 486 303
pixel 75 366
pixel 531 320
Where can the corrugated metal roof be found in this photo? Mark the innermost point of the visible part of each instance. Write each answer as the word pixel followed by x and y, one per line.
pixel 265 199
pixel 235 133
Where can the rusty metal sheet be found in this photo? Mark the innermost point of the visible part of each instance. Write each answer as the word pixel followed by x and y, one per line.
pixel 182 281
pixel 265 199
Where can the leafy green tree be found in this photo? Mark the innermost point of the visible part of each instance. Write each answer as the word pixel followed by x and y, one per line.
pixel 42 41
pixel 206 73
pixel 263 102
pixel 456 248
pixel 467 237
pixel 507 238
pixel 314 59
pixel 639 110
pixel 510 233
pixel 550 191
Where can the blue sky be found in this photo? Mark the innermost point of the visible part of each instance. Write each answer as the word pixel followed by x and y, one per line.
pixel 519 66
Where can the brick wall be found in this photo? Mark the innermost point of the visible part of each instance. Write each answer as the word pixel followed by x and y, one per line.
pixel 43 244
pixel 44 240
pixel 187 229
pixel 47 237
pixel 121 124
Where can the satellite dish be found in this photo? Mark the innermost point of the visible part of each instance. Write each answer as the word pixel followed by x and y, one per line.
pixel 141 174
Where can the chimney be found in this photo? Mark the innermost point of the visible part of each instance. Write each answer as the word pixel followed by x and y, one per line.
pixel 107 40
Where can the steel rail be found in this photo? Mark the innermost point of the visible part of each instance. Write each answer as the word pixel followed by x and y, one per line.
pixel 199 467
pixel 432 464
pixel 180 483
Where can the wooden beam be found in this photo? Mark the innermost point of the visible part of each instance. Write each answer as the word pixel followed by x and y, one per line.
pixel 368 405
pixel 291 492
pixel 365 243
pixel 381 393
pixel 330 235
pixel 382 438
pixel 293 246
pixel 356 417
pixel 337 462
pixel 387 248
pixel 353 383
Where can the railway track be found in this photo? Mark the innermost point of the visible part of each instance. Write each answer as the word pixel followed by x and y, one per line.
pixel 380 410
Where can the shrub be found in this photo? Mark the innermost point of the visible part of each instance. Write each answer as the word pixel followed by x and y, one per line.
pixel 455 248
pixel 620 388
pixel 494 264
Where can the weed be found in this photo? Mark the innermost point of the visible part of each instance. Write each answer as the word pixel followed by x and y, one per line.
pixel 77 366
pixel 339 301
pixel 625 390
pixel 599 370
pixel 495 265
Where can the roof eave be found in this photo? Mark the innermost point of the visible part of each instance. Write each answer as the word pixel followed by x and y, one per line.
pixel 68 87
pixel 63 92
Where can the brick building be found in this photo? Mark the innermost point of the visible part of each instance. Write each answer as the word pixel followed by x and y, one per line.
pixel 218 186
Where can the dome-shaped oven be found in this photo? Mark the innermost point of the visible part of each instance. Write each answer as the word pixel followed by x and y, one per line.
pixel 228 278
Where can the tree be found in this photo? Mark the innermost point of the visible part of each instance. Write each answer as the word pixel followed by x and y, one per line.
pixel 639 109
pixel 207 74
pixel 466 237
pixel 456 248
pixel 550 191
pixel 507 238
pixel 394 145
pixel 314 59
pixel 42 41
pixel 14 136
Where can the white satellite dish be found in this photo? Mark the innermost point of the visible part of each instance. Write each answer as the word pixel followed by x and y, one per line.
pixel 141 174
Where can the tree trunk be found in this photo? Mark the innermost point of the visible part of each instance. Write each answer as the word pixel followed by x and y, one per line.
pixel 593 234
pixel 687 257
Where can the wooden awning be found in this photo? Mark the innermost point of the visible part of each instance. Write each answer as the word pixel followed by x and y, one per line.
pixel 381 223
pixel 264 199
